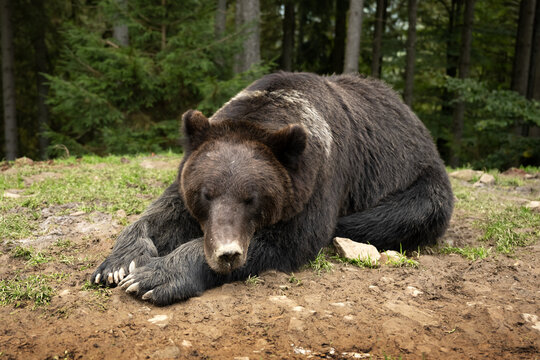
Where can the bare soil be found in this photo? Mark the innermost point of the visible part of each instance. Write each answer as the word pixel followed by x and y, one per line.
pixel 448 308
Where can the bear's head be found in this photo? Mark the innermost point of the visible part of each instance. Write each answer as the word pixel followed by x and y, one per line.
pixel 237 180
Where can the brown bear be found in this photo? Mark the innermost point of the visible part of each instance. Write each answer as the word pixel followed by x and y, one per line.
pixel 272 176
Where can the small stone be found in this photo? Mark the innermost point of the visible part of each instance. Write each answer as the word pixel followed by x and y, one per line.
pixel 296 324
pixel 390 255
pixel 160 320
pixel 338 304
pixel 298 308
pixel 121 214
pixel 64 292
pixel 478 184
pixel 348 318
pixel 466 174
pixel 170 352
pixel 534 206
pixel 11 195
pixel 186 343
pixel 487 179
pixel 414 291
pixel 353 250
pixel 77 213
pixel 533 320
pixel 241 358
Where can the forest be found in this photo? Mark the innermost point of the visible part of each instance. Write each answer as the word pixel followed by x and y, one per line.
pixel 114 76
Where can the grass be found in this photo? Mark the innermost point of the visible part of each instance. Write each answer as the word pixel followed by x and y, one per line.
pixel 320 263
pixel 32 257
pixel 35 289
pixel 363 263
pixel 511 228
pixel 294 280
pixel 471 253
pixel 253 280
pixel 90 183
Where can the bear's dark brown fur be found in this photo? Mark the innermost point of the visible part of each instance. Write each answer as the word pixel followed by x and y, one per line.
pixel 272 176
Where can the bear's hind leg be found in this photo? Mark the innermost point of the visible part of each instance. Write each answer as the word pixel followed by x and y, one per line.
pixel 416 216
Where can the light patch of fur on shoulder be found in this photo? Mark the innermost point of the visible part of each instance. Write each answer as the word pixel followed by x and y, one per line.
pixel 309 116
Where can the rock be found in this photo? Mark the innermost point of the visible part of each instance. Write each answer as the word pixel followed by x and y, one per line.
pixel 121 214
pixel 533 320
pixel 296 324
pixel 23 161
pixel 466 174
pixel 515 172
pixel 170 352
pixel 534 206
pixel 186 343
pixel 77 213
pixel 338 304
pixel 348 318
pixel 11 195
pixel 353 250
pixel 390 255
pixel 160 320
pixel 241 358
pixel 414 291
pixel 487 179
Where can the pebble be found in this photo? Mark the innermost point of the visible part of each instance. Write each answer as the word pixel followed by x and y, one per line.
pixel 414 291
pixel 160 320
pixel 169 352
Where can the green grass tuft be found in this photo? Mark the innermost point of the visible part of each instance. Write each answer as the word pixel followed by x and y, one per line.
pixel 320 263
pixel 471 253
pixel 511 228
pixel 35 289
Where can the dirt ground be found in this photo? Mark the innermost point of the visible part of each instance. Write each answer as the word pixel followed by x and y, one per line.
pixel 448 308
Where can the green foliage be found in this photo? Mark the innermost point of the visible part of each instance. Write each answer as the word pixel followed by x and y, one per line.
pixel 471 253
pixel 253 280
pixel 112 99
pixel 511 228
pixel 493 114
pixel 35 289
pixel 320 263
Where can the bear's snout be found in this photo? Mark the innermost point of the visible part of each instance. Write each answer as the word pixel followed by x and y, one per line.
pixel 229 255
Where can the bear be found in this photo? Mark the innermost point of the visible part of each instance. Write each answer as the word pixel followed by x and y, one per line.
pixel 292 161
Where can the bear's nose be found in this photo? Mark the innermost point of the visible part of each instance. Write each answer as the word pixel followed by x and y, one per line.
pixel 229 257
pixel 229 253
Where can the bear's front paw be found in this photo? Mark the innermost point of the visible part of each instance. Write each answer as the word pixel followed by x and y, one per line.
pixel 114 269
pixel 161 285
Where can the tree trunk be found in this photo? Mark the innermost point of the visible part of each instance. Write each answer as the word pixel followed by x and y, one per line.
pixel 42 67
pixel 248 15
pixel 533 88
pixel 380 20
pixel 221 19
pixel 8 82
pixel 354 34
pixel 340 30
pixel 523 46
pixel 411 53
pixel 288 36
pixel 120 29
pixel 464 67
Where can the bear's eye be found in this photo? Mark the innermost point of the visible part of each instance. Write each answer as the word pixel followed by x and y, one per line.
pixel 249 200
pixel 206 195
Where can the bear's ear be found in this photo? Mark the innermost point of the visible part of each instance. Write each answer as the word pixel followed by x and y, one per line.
pixel 288 144
pixel 195 127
